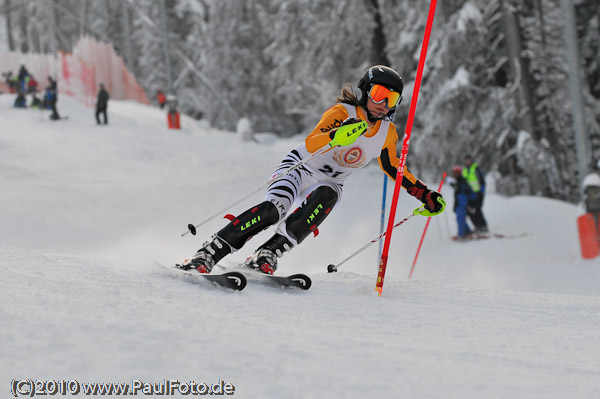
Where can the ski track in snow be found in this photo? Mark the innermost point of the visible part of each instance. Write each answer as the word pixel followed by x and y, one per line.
pixel 87 210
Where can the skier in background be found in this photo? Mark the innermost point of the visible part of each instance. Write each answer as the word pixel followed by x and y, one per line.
pixel 51 98
pixel 591 193
pixel 319 181
pixel 161 98
pixel 11 81
pixel 20 101
pixel 36 103
pixel 101 104
pixel 476 179
pixel 462 194
pixel 32 85
pixel 23 78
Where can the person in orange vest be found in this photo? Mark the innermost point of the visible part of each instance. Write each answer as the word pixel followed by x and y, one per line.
pixel 349 135
pixel 161 98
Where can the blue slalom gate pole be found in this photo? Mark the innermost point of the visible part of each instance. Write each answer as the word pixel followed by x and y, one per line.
pixel 382 224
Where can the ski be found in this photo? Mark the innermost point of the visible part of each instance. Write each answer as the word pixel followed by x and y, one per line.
pixel 500 235
pixel 471 237
pixel 232 280
pixel 298 280
pixel 485 236
pixel 301 281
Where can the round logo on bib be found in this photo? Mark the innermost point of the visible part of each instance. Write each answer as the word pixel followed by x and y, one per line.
pixel 353 155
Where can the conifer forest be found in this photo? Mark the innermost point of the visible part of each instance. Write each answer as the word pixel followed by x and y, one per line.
pixel 498 81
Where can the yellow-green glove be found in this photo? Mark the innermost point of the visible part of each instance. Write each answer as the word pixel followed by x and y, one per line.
pixel 348 132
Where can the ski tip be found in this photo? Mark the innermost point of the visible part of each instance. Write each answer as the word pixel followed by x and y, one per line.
pixel 237 279
pixel 301 281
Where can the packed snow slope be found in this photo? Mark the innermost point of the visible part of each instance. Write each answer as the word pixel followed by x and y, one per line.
pixel 87 211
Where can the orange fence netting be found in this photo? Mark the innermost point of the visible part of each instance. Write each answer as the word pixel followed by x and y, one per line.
pixel 79 73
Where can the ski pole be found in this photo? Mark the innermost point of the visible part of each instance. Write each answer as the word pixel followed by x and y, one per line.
pixel 192 228
pixel 333 268
pixel 424 231
pixel 347 132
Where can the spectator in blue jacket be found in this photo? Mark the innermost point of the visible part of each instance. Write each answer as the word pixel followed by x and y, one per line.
pixel 51 98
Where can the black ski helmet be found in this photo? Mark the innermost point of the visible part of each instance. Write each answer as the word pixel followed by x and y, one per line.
pixel 383 75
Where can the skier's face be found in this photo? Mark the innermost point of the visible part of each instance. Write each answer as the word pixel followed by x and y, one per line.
pixel 377 110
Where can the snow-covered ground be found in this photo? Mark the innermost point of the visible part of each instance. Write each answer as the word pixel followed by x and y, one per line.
pixel 86 211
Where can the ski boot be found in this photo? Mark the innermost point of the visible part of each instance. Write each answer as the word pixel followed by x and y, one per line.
pixel 265 258
pixel 481 230
pixel 207 257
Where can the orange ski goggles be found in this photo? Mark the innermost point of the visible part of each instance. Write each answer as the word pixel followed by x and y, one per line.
pixel 379 93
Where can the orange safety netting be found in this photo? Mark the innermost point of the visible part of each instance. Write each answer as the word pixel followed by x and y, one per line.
pixel 80 73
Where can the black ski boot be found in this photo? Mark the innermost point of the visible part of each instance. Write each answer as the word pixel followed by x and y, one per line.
pixel 207 257
pixel 265 257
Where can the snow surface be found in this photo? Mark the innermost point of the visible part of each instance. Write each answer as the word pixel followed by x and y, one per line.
pixel 87 210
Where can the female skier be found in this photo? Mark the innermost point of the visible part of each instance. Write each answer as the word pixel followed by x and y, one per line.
pixel 319 181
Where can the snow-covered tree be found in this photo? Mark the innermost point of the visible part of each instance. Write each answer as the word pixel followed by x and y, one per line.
pixel 495 83
pixel 317 46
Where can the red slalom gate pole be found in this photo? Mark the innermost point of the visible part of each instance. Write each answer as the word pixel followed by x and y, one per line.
pixel 404 152
pixel 424 231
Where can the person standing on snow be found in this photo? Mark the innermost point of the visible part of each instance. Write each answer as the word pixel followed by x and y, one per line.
pixel 23 76
pixel 476 179
pixel 319 181
pixel 591 193
pixel 462 194
pixel 161 98
pixel 32 85
pixel 101 104
pixel 52 98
